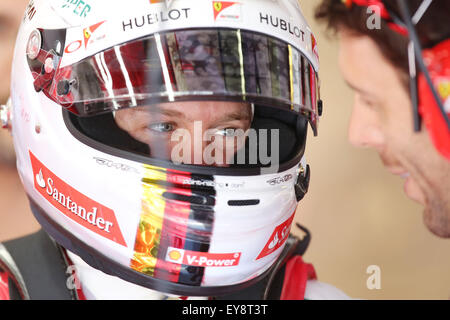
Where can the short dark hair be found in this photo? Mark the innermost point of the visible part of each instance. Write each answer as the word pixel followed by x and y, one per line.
pixel 431 29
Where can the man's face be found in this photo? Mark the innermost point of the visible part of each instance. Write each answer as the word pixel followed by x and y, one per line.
pixel 184 130
pixel 382 119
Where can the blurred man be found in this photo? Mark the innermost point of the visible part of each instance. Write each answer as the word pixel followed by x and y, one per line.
pixel 374 62
pixel 13 202
pixel 11 13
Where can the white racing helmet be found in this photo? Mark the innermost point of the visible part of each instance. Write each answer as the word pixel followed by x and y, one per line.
pixel 88 75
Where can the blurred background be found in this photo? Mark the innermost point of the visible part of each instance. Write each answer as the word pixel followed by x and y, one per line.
pixel 356 211
pixel 15 216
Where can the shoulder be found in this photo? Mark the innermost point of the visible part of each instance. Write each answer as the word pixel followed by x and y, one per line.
pixel 316 290
pixel 23 258
pixel 12 284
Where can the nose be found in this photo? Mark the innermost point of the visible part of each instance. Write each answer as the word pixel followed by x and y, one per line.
pixel 209 149
pixel 199 148
pixel 365 128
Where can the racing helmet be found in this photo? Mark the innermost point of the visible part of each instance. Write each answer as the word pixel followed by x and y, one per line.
pixel 102 94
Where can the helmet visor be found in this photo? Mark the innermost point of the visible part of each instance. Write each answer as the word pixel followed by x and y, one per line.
pixel 198 64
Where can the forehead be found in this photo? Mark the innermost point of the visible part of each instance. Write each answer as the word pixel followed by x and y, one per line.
pixel 358 55
pixel 203 104
pixel 364 66
pixel 215 107
pixel 375 79
pixel 195 110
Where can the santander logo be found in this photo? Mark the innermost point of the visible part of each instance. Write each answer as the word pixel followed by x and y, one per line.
pixel 75 205
pixel 278 238
pixel 40 179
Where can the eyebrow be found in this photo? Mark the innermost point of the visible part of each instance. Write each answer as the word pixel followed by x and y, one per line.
pixel 237 115
pixel 166 112
pixel 355 88
pixel 234 116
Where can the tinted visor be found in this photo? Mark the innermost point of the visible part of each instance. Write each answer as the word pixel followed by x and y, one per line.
pixel 200 133
pixel 219 64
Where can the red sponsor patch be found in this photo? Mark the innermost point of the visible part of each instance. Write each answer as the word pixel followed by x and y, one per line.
pixel 87 36
pixel 219 6
pixel 75 205
pixel 278 238
pixel 202 259
pixel 87 32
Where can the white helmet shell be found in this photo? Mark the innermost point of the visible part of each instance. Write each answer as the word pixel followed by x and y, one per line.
pixel 181 229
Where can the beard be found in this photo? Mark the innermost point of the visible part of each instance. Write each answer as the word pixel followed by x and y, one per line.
pixel 435 197
pixel 436 216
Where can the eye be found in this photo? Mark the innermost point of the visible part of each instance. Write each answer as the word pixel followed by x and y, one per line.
pixel 367 102
pixel 367 99
pixel 228 132
pixel 162 127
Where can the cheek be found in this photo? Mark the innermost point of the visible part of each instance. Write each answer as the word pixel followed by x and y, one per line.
pixel 396 108
pixel 366 126
pixel 141 135
pixel 399 125
pixel 133 122
pixel 236 143
pixel 122 120
pixel 160 146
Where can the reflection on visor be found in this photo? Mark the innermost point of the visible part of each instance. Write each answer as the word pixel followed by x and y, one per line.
pixel 190 132
pixel 173 217
pixel 215 64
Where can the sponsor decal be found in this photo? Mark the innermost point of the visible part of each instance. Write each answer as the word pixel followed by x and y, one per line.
pixel 282 24
pixel 167 2
pixel 87 32
pixel 314 46
pixel 443 86
pixel 226 10
pixel 279 180
pixel 75 205
pixel 155 17
pixel 112 164
pixel 202 259
pixel 30 11
pixel 87 38
pixel 278 238
pixel 80 8
pixel 205 182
